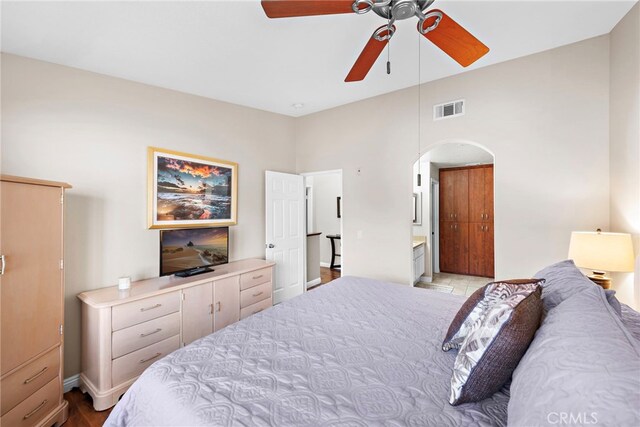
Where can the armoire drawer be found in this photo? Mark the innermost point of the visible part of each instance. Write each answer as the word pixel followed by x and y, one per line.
pixel 133 364
pixel 125 315
pixel 26 380
pixel 144 334
pixel 255 308
pixel 35 407
pixel 255 294
pixel 249 280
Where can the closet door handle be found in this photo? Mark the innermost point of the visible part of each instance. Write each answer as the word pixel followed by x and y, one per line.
pixel 219 304
pixel 3 260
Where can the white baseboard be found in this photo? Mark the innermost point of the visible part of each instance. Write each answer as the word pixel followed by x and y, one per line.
pixel 426 279
pixel 325 264
pixel 313 283
pixel 71 382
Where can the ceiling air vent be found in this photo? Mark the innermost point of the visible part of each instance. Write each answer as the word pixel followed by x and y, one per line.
pixel 448 109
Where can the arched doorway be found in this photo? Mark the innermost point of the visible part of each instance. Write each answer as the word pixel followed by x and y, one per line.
pixel 453 228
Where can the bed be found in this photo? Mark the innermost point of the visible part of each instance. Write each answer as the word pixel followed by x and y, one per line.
pixel 355 352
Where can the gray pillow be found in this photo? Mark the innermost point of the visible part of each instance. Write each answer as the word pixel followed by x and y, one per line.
pixel 582 366
pixel 563 280
pixel 496 342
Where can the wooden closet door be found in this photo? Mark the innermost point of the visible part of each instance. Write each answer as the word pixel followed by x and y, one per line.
pixel 461 195
pixel 477 195
pixel 477 249
pixel 447 182
pixel 446 247
pixel 31 292
pixel 488 193
pixel 461 247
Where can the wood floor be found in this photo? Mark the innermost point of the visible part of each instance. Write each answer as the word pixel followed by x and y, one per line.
pixel 327 275
pixel 81 412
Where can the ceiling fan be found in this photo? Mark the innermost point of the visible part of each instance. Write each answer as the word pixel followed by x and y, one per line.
pixel 434 24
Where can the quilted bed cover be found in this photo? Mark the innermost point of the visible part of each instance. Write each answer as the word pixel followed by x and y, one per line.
pixel 355 352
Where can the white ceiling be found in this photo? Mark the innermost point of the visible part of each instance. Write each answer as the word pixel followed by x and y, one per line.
pixel 230 51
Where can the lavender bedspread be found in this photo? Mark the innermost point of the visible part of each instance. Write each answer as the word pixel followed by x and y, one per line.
pixel 355 352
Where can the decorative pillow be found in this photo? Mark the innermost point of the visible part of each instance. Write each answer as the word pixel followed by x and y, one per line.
pixel 583 365
pixel 477 304
pixel 562 280
pixel 496 343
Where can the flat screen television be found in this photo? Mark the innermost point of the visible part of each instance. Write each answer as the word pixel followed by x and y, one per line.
pixel 192 251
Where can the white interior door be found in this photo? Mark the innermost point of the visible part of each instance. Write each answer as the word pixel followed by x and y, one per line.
pixel 285 233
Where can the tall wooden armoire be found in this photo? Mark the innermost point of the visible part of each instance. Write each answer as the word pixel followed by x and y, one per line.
pixel 466 220
pixel 32 302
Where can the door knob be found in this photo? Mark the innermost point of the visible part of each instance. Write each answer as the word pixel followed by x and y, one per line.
pixel 271 246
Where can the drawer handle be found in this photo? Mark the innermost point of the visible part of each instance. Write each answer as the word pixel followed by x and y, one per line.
pixel 151 308
pixel 151 358
pixel 257 277
pixel 40 406
pixel 28 380
pixel 150 333
pixel 258 294
pixel 257 311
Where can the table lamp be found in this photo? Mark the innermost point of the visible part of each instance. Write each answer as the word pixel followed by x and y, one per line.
pixel 601 252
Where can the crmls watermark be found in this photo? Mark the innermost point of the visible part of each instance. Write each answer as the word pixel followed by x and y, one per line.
pixel 572 418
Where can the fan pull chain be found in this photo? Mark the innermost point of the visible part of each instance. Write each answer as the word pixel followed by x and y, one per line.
pixel 389 47
pixel 419 112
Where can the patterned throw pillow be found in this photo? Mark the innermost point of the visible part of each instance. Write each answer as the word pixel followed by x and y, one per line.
pixel 496 342
pixel 478 303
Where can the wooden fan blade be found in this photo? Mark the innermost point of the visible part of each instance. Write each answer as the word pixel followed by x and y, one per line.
pixel 289 8
pixel 454 40
pixel 369 54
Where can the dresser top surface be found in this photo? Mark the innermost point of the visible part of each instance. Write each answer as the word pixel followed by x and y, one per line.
pixel 110 296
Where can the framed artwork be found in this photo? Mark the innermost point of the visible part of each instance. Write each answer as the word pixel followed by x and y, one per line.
pixel 188 191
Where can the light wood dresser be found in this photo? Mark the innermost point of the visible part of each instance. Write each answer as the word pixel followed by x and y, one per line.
pixel 124 332
pixel 32 299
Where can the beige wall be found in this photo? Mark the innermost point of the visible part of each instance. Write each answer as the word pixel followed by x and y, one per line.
pixel 545 117
pixel 92 131
pixel 625 142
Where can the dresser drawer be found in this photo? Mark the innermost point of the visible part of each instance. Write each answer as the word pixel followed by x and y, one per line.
pixel 248 280
pixel 35 407
pixel 133 364
pixel 144 334
pixel 130 314
pixel 26 380
pixel 255 294
pixel 255 308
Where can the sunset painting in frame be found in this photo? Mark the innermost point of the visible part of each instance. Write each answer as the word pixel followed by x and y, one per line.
pixel 191 191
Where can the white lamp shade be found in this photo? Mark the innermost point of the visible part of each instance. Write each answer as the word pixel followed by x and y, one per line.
pixel 602 251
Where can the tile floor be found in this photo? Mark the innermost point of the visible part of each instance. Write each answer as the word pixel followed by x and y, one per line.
pixel 456 284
